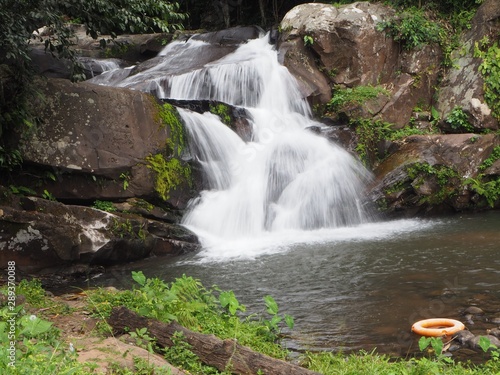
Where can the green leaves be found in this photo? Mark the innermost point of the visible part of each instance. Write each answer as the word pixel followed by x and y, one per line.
pixel 228 301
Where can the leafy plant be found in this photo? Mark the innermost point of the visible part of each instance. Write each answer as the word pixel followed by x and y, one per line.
pixel 223 111
pixel 490 70
pixel 343 98
pixel 170 173
pixel 125 177
pixel 308 40
pixel 412 28
pixel 104 206
pixel 459 120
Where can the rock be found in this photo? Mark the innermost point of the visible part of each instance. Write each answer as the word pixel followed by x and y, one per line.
pixel 94 141
pixel 463 85
pixel 38 234
pixel 407 181
pixel 474 342
pixel 494 332
pixel 495 320
pixel 463 337
pixel 345 49
pixel 474 310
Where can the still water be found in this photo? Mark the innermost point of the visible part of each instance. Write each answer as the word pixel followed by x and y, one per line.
pixel 353 288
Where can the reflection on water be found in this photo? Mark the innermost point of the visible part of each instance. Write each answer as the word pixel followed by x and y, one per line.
pixel 357 290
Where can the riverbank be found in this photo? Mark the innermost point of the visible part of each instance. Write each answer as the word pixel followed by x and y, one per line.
pixel 69 333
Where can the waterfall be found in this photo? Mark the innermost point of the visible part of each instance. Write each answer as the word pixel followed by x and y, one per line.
pixel 287 179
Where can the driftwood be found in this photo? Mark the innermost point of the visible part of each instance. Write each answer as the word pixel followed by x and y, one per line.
pixel 211 350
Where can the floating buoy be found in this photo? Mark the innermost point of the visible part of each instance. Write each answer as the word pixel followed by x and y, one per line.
pixel 437 327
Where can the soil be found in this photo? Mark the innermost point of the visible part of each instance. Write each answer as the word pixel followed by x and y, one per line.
pixel 79 330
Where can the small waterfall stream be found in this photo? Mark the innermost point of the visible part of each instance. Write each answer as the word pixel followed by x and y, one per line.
pixel 287 179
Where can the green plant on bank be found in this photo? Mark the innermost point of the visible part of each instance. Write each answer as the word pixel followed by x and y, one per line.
pixel 443 175
pixel 223 111
pixel 459 120
pixel 343 98
pixel 490 70
pixel 189 303
pixel 170 174
pixel 486 187
pixel 104 206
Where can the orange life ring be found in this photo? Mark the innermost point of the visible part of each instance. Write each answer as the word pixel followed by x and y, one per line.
pixel 437 327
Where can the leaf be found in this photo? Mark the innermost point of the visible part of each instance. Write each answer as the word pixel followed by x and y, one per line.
pixel 228 300
pixel 437 345
pixel 424 343
pixel 484 343
pixel 271 305
pixel 139 278
pixel 289 321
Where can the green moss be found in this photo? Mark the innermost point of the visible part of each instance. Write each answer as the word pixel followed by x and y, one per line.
pixel 170 174
pixel 223 111
pixel 494 156
pixel 169 117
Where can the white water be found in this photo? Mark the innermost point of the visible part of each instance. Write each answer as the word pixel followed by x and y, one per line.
pixel 288 185
pixel 287 178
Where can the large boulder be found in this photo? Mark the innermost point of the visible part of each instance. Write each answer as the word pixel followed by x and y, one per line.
pixel 463 84
pixel 325 46
pixel 94 142
pixel 435 173
pixel 39 234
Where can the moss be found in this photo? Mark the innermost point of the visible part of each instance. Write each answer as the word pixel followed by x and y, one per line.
pixel 168 116
pixel 170 174
pixel 223 111
pixel 490 70
pixel 445 177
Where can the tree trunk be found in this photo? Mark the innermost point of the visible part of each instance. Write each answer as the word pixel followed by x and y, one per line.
pixel 211 350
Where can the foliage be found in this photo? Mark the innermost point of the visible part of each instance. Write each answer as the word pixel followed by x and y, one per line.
pixel 412 28
pixel 488 162
pixel 35 341
pixel 488 189
pixel 308 40
pixel 170 173
pixel 344 98
pixel 188 302
pixel 443 175
pixel 20 19
pixel 490 70
pixel 459 120
pixel 371 363
pixel 9 158
pixel 223 111
pixel 104 206
pixel 168 116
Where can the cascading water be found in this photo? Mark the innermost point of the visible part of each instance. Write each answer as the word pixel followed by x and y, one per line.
pixel 287 179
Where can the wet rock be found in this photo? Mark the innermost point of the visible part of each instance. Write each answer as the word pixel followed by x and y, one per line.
pixel 474 342
pixel 474 310
pixel 468 319
pixel 494 332
pixel 495 320
pixel 463 337
pixel 51 234
pixel 406 181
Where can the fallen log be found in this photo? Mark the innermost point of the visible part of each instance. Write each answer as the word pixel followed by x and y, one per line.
pixel 221 354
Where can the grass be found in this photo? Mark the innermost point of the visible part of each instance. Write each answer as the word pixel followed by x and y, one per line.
pixel 42 350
